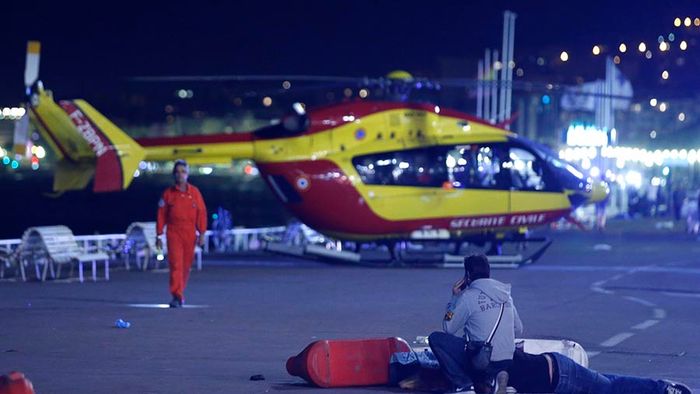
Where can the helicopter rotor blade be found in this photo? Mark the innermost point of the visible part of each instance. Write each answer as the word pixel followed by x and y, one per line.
pixel 251 78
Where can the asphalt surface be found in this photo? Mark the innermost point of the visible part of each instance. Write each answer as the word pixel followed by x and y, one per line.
pixel 630 296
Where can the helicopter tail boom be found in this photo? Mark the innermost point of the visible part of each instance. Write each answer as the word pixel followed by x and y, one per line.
pixel 86 143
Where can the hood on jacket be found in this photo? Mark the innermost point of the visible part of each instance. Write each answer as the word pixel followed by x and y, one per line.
pixel 497 291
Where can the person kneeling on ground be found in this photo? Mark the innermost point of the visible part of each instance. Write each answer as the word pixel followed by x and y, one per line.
pixel 483 308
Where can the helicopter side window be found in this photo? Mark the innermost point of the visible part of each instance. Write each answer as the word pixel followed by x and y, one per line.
pixel 493 167
pixel 416 167
pixel 460 167
pixel 478 167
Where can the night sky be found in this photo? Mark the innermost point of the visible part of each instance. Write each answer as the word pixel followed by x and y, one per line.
pixel 88 43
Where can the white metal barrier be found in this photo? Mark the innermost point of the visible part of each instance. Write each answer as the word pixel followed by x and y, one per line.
pixel 245 239
pixel 241 240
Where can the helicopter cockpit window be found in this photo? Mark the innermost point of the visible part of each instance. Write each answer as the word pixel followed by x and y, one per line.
pixel 417 167
pixel 527 171
pixel 569 176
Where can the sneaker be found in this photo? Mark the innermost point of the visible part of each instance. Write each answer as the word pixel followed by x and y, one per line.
pixel 501 384
pixel 176 302
pixel 676 388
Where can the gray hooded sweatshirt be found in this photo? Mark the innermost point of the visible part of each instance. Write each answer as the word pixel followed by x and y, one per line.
pixel 476 310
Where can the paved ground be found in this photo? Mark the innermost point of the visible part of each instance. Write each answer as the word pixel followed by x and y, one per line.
pixel 634 307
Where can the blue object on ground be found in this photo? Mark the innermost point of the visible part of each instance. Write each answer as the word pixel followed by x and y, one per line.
pixel 122 324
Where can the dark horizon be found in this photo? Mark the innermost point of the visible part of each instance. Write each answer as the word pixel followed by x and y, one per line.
pixel 86 48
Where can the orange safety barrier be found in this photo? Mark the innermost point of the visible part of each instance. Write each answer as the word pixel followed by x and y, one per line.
pixel 343 363
pixel 15 383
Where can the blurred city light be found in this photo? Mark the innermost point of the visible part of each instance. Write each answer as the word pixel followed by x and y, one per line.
pixel 250 169
pixel 677 22
pixel 642 47
pixel 596 50
pixel 663 107
pixel 653 102
pixel 364 93
pixel 681 117
pixel 652 134
pixel 687 21
pixel 683 45
pixel 634 178
pixel 585 164
pixel 623 48
pixel 564 56
pixel 40 152
pixel 664 74
pixel 267 101
pixel 584 135
pixel 286 85
pixel 663 46
pixel 12 113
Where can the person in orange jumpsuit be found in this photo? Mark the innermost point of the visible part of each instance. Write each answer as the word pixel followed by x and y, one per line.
pixel 182 210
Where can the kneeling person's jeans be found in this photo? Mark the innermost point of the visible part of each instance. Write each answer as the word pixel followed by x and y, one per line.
pixel 454 361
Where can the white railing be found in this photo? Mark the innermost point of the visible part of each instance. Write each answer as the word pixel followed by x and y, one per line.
pixel 10 244
pixel 241 239
pixel 97 241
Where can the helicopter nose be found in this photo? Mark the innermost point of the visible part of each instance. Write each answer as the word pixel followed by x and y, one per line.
pixel 599 191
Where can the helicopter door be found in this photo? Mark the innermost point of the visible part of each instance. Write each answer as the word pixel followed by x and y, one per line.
pixel 477 187
pixel 532 191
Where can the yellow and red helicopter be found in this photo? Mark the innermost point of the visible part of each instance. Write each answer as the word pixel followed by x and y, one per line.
pixel 364 171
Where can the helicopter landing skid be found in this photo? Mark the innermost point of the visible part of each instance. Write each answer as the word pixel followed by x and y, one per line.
pixel 504 261
pixel 400 255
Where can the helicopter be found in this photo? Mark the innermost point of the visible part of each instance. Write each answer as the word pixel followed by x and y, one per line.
pixel 361 171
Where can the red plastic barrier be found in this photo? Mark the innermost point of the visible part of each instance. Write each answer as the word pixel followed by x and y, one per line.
pixel 343 363
pixel 15 383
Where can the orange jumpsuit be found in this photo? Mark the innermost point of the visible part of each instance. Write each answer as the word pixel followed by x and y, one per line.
pixel 183 213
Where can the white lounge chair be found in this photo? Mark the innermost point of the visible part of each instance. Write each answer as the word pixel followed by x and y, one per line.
pixel 55 246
